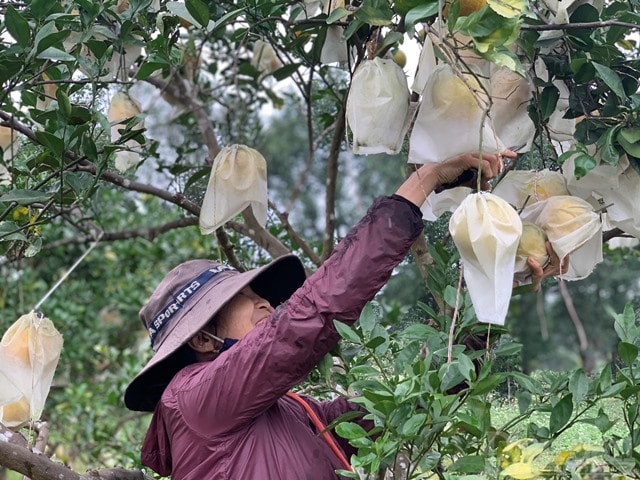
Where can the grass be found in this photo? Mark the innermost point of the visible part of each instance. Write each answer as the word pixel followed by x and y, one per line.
pixel 576 435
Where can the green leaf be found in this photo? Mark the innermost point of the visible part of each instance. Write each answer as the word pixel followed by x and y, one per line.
pixel 199 11
pixel 578 385
pixel 466 366
pixel 625 325
pixel 40 8
pixel 561 413
pixel 412 426
pixel 48 36
pixel 631 148
pixel 180 9
pixel 508 8
pixel 378 15
pixel 50 142
pixel 337 15
pixel 18 27
pixel 612 80
pixel 347 332
pixel 630 134
pixel 525 381
pixel 601 421
pixel 584 164
pixel 468 464
pixel 34 247
pixel 488 384
pixel 64 105
pixel 418 331
pixel 450 376
pixel 350 430
pixel 9 231
pixel 25 197
pixel 608 152
pixel 507 349
pixel 56 55
pixel 419 13
pixel 628 352
pixel 451 296
pixel 548 101
pixel 285 71
pixel 368 319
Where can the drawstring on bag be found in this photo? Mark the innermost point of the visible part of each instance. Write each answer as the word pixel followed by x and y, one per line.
pixel 322 430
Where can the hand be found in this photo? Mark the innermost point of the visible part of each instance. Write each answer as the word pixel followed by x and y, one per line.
pixel 452 171
pixel 430 176
pixel 553 267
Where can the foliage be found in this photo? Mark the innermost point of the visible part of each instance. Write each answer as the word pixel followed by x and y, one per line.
pixel 434 416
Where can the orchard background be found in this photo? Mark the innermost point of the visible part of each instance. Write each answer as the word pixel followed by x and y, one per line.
pixel 123 184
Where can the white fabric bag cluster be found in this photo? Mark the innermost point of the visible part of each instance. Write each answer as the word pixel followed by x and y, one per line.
pixel 122 108
pixel 377 107
pixel 29 353
pixel 238 179
pixel 486 231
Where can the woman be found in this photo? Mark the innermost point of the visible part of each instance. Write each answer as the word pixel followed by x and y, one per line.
pixel 221 409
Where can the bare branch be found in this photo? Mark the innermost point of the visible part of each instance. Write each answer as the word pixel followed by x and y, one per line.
pixel 577 25
pixel 332 175
pixel 284 219
pixel 149 233
pixel 228 249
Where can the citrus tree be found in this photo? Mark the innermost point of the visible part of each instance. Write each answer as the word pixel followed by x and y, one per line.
pixel 113 113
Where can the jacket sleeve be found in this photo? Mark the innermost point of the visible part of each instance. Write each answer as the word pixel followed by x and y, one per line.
pixel 220 396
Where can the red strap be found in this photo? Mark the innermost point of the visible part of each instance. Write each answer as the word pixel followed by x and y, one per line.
pixel 322 429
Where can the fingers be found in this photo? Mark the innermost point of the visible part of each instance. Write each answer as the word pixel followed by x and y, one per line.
pixel 537 273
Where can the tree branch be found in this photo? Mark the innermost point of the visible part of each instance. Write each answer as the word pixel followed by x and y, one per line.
pixel 149 233
pixel 331 185
pixel 189 100
pixel 252 230
pixel 577 25
pixel 284 220
pixel 16 456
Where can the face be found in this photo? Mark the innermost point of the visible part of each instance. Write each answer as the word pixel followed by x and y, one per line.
pixel 242 313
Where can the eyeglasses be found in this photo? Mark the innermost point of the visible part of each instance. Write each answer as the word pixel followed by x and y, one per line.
pixel 214 338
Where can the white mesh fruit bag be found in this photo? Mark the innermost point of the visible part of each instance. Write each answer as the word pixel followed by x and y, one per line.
pixel 377 107
pixel 238 179
pixel 573 228
pixel 486 231
pixel 510 96
pixel 616 187
pixel 123 107
pixel 450 119
pixel 532 245
pixel 530 186
pixel 29 353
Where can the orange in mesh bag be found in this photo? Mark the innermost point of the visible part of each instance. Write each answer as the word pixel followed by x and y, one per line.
pixel 377 107
pixel 573 229
pixel 238 179
pixel 29 353
pixel 486 231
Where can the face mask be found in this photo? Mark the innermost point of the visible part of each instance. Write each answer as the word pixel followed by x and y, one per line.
pixel 227 343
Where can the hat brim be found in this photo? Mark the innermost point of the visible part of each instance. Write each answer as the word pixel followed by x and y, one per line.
pixel 275 282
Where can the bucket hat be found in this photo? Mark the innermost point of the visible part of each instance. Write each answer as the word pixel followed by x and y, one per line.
pixel 186 300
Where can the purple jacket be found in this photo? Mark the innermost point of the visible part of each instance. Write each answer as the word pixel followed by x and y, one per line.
pixel 229 418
